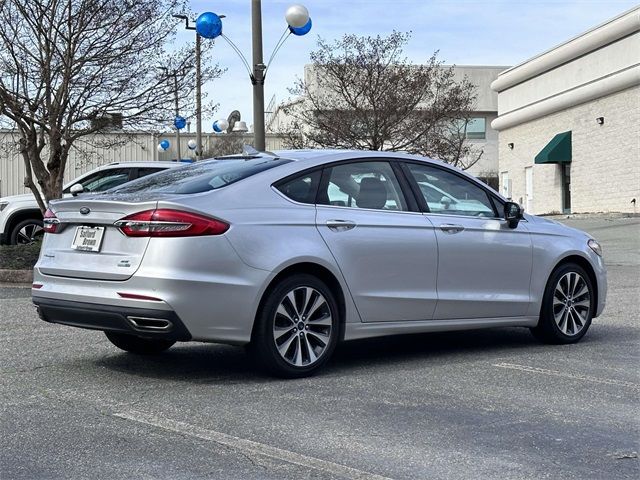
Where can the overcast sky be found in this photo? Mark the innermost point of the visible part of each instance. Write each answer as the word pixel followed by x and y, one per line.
pixel 466 32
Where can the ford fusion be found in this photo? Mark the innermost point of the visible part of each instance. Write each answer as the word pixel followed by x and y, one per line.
pixel 293 252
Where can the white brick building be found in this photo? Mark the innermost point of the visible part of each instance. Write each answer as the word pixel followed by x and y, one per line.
pixel 569 123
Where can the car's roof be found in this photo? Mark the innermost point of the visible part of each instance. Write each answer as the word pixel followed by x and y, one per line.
pixel 157 163
pixel 327 155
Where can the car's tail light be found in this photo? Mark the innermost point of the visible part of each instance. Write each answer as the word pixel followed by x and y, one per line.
pixel 51 224
pixel 170 223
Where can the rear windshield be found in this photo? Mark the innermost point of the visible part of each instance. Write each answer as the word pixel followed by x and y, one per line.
pixel 200 177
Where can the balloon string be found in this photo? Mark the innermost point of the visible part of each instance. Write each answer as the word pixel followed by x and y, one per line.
pixel 283 38
pixel 237 50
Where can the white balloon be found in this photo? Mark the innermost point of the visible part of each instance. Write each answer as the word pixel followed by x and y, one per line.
pixel 192 144
pixel 297 16
pixel 223 124
pixel 160 149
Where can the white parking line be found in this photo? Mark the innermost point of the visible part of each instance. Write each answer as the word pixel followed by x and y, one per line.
pixel 574 376
pixel 248 446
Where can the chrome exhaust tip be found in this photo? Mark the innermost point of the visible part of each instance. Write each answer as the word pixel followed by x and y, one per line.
pixel 150 324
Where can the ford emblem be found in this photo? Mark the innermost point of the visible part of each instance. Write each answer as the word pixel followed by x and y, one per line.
pixel 85 210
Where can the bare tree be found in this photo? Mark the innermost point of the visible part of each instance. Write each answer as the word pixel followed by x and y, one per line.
pixel 363 93
pixel 227 144
pixel 67 65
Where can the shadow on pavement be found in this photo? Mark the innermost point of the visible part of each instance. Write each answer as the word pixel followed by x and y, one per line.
pixel 213 363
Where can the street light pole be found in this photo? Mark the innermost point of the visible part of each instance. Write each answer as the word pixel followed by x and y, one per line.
pixel 258 76
pixel 175 86
pixel 209 25
pixel 198 99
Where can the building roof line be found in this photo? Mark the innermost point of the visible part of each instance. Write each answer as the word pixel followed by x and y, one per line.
pixel 623 25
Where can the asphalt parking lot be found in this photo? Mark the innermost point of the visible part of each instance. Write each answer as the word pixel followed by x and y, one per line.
pixel 482 404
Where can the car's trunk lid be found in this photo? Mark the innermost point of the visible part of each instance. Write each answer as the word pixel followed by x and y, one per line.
pixel 118 256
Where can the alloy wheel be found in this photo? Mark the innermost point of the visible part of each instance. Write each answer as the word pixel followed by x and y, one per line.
pixel 28 234
pixel 302 326
pixel 571 303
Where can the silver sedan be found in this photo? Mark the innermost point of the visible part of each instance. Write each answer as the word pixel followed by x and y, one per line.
pixel 291 253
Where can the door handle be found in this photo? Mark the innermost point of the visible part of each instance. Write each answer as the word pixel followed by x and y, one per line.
pixel 340 225
pixel 451 228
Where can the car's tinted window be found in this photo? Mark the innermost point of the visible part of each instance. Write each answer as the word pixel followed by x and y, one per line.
pixel 447 193
pixel 143 172
pixel 302 188
pixel 200 177
pixel 104 180
pixel 370 185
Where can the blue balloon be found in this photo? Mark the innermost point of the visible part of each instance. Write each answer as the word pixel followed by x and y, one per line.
pixel 300 31
pixel 209 25
pixel 216 128
pixel 180 122
pixel 165 144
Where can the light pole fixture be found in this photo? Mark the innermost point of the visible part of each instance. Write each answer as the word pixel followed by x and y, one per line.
pixel 209 25
pixel 600 120
pixel 198 54
pixel 179 122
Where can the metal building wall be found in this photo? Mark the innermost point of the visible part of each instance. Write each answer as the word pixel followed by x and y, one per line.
pixel 102 149
pixel 98 150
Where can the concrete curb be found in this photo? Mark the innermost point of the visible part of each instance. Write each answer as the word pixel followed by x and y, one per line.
pixel 16 276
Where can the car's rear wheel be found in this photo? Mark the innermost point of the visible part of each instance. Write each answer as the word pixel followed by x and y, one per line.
pixel 567 306
pixel 139 345
pixel 297 328
pixel 26 232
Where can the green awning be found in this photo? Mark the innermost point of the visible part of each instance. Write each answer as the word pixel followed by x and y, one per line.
pixel 558 150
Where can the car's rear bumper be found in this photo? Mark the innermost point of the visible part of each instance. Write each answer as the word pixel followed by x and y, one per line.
pixel 145 322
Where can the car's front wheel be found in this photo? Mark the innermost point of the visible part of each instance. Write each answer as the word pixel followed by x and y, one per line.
pixel 297 328
pixel 139 345
pixel 567 306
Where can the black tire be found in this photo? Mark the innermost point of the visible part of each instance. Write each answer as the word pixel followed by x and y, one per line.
pixel 138 345
pixel 263 345
pixel 548 329
pixel 33 230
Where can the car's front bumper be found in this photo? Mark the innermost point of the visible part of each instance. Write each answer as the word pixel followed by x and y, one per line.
pixel 144 322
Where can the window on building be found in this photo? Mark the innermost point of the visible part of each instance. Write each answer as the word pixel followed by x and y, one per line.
pixel 474 128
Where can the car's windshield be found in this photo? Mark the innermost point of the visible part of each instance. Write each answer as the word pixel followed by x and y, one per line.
pixel 200 177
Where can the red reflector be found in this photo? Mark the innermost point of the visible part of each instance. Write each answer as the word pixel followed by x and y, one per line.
pixel 135 296
pixel 50 222
pixel 36 285
pixel 170 223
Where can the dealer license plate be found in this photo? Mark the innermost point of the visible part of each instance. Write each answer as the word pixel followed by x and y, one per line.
pixel 88 239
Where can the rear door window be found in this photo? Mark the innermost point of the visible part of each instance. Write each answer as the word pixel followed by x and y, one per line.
pixel 371 185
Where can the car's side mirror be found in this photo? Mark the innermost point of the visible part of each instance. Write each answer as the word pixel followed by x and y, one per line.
pixel 76 189
pixel 512 214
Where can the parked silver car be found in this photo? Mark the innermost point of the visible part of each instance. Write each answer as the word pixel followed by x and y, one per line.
pixel 292 253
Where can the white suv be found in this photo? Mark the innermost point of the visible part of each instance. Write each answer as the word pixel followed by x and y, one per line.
pixel 21 219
